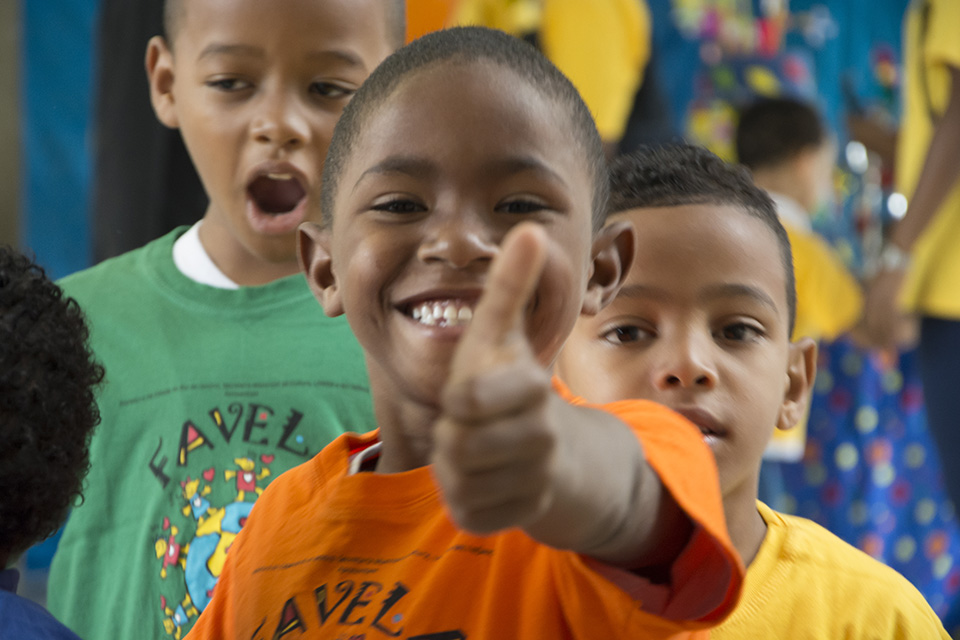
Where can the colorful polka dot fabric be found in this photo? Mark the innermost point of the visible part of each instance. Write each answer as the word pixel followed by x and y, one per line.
pixel 871 473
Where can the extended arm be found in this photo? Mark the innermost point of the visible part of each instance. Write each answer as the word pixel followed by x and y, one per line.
pixel 941 169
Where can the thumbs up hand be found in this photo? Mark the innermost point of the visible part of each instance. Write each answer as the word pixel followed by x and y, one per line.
pixel 495 444
pixel 509 452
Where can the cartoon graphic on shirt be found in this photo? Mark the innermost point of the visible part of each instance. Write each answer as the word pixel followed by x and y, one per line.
pixel 169 549
pixel 176 619
pixel 211 468
pixel 246 480
pixel 201 559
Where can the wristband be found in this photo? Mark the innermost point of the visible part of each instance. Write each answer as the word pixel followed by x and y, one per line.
pixel 893 258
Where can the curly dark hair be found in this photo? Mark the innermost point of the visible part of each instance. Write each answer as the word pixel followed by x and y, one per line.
pixel 48 410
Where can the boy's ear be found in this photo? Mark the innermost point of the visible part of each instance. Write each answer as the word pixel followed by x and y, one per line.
pixel 159 63
pixel 613 249
pixel 801 370
pixel 313 253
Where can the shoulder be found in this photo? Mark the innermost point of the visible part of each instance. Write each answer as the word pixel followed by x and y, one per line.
pixel 126 268
pixel 837 567
pixel 306 485
pixel 24 619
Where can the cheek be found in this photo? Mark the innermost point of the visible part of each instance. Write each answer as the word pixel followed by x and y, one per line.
pixel 559 299
pixel 323 125
pixel 591 368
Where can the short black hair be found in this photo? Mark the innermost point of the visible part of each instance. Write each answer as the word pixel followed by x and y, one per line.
pixel 465 45
pixel 48 410
pixel 771 131
pixel 174 10
pixel 682 174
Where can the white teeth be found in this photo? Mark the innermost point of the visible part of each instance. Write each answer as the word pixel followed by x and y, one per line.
pixel 448 313
pixel 280 176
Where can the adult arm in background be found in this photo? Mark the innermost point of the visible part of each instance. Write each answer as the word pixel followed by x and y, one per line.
pixel 941 168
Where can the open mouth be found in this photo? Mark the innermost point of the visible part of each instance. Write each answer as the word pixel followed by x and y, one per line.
pixel 441 312
pixel 276 193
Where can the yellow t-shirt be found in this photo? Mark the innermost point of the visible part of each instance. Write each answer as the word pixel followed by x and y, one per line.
pixel 603 46
pixel 808 584
pixel 931 44
pixel 829 301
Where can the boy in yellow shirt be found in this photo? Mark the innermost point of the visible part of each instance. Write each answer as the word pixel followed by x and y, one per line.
pixel 702 324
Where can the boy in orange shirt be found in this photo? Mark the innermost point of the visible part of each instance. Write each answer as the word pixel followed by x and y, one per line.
pixel 458 241
pixel 703 325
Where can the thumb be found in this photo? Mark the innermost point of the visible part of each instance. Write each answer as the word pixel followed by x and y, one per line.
pixel 511 283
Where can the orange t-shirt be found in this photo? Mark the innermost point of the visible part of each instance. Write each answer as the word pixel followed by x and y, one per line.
pixel 326 554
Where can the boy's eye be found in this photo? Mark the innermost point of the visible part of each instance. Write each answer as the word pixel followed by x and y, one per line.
pixel 520 206
pixel 626 334
pixel 740 332
pixel 399 205
pixel 330 90
pixel 228 84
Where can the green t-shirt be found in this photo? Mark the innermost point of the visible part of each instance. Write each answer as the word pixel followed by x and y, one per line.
pixel 210 394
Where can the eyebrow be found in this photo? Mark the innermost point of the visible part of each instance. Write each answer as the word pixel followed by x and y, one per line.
pixel 520 164
pixel 348 57
pixel 424 169
pixel 413 166
pixel 712 292
pixel 250 51
pixel 220 49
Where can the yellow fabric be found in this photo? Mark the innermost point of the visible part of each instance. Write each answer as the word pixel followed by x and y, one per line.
pixel 808 584
pixel 829 301
pixel 603 46
pixel 933 284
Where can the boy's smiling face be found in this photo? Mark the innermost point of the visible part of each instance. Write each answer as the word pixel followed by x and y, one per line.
pixel 256 88
pixel 458 155
pixel 701 325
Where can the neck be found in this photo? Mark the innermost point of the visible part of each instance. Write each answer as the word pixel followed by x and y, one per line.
pixel 784 182
pixel 747 529
pixel 237 262
pixel 406 427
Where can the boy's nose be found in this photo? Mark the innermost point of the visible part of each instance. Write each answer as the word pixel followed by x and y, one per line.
pixel 281 123
pixel 457 241
pixel 686 364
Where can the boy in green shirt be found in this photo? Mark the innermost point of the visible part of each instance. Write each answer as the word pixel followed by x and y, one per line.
pixel 210 395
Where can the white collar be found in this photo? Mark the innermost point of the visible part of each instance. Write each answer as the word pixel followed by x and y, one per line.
pixel 194 262
pixel 791 212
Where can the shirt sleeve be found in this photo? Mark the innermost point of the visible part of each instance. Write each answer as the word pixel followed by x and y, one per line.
pixel 706 577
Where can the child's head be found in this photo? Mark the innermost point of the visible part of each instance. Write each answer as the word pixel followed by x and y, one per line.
pixel 47 408
pixel 452 141
pixel 255 89
pixel 703 321
pixel 783 141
